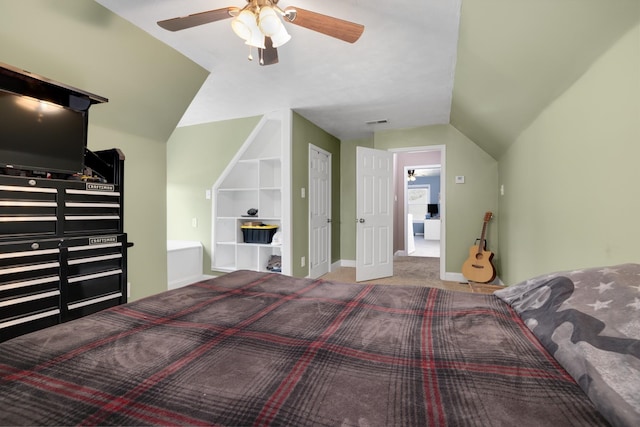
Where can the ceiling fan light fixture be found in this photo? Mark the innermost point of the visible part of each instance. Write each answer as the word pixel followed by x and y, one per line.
pixel 256 40
pixel 281 37
pixel 271 25
pixel 260 23
pixel 269 21
pixel 243 24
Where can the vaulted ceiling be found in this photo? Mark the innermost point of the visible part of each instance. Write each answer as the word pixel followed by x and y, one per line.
pixel 488 67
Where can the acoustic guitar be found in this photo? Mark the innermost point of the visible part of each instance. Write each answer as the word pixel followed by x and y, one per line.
pixel 478 267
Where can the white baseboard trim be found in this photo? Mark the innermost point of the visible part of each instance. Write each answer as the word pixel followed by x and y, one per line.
pixel 458 277
pixel 188 280
pixel 454 277
pixel 448 276
pixel 344 263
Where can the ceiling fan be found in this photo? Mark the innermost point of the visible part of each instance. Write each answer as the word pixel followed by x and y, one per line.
pixel 259 23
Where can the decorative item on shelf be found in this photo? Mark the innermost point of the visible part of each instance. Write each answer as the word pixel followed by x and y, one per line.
pixel 253 223
pixel 275 264
pixel 277 239
pixel 252 212
pixel 262 234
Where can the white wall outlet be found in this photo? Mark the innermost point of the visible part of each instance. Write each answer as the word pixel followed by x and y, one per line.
pixel 459 179
pixel 303 194
pixel 128 289
pixel 194 222
pixel 207 194
pixel 302 262
pixel 502 190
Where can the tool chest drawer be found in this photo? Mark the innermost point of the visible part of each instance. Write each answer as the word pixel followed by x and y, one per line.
pixel 27 261
pixel 95 272
pixel 29 207
pixel 29 286
pixel 92 210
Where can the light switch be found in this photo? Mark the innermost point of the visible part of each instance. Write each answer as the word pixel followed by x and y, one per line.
pixel 207 194
pixel 459 179
pixel 303 193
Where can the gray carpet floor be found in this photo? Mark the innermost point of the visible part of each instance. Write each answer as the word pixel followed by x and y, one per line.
pixel 407 270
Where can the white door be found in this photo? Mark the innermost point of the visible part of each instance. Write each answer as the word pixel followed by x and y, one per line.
pixel 319 211
pixel 374 210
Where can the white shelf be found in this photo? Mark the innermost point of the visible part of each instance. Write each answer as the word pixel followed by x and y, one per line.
pixel 258 177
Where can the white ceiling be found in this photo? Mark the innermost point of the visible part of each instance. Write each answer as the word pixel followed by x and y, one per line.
pixel 401 69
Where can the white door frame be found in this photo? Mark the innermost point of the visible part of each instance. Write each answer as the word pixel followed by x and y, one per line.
pixel 443 204
pixel 317 271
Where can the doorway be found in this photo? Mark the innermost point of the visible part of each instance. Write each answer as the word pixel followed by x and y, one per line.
pixel 432 160
pixel 422 206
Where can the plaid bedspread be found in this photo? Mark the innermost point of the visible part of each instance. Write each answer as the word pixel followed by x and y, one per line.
pixel 251 348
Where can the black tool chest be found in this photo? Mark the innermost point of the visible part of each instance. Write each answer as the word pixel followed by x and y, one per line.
pixel 63 252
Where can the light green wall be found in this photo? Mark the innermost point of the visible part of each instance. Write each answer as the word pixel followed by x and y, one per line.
pixel 82 44
pixel 515 57
pixel 465 203
pixel 189 175
pixel 571 178
pixel 196 157
pixel 144 207
pixel 304 133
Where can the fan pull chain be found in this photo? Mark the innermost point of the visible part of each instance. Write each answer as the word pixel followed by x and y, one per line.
pixel 250 57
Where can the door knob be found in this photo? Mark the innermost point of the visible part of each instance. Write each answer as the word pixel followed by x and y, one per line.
pixel 328 219
pixel 361 220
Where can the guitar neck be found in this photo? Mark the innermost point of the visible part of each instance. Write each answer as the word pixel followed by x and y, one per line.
pixel 481 243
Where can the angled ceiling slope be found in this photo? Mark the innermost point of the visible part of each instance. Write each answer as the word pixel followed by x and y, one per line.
pixel 515 57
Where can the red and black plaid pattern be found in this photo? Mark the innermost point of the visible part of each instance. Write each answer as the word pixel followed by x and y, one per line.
pixel 251 349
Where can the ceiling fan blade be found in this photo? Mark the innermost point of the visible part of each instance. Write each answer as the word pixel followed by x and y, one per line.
pixel 184 22
pixel 268 55
pixel 334 27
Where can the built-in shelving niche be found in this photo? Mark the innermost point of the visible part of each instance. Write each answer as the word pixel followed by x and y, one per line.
pixel 259 176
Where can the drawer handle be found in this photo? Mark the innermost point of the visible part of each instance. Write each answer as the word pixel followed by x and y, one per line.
pixel 94 259
pixel 93 301
pixel 94 276
pixel 28 298
pixel 29 318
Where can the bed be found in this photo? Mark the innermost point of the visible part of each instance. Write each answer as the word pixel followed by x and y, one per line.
pixel 251 348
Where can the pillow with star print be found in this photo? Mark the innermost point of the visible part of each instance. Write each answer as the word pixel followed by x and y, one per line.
pixel 589 320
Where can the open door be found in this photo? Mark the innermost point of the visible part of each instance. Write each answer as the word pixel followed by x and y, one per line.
pixel 319 211
pixel 374 210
